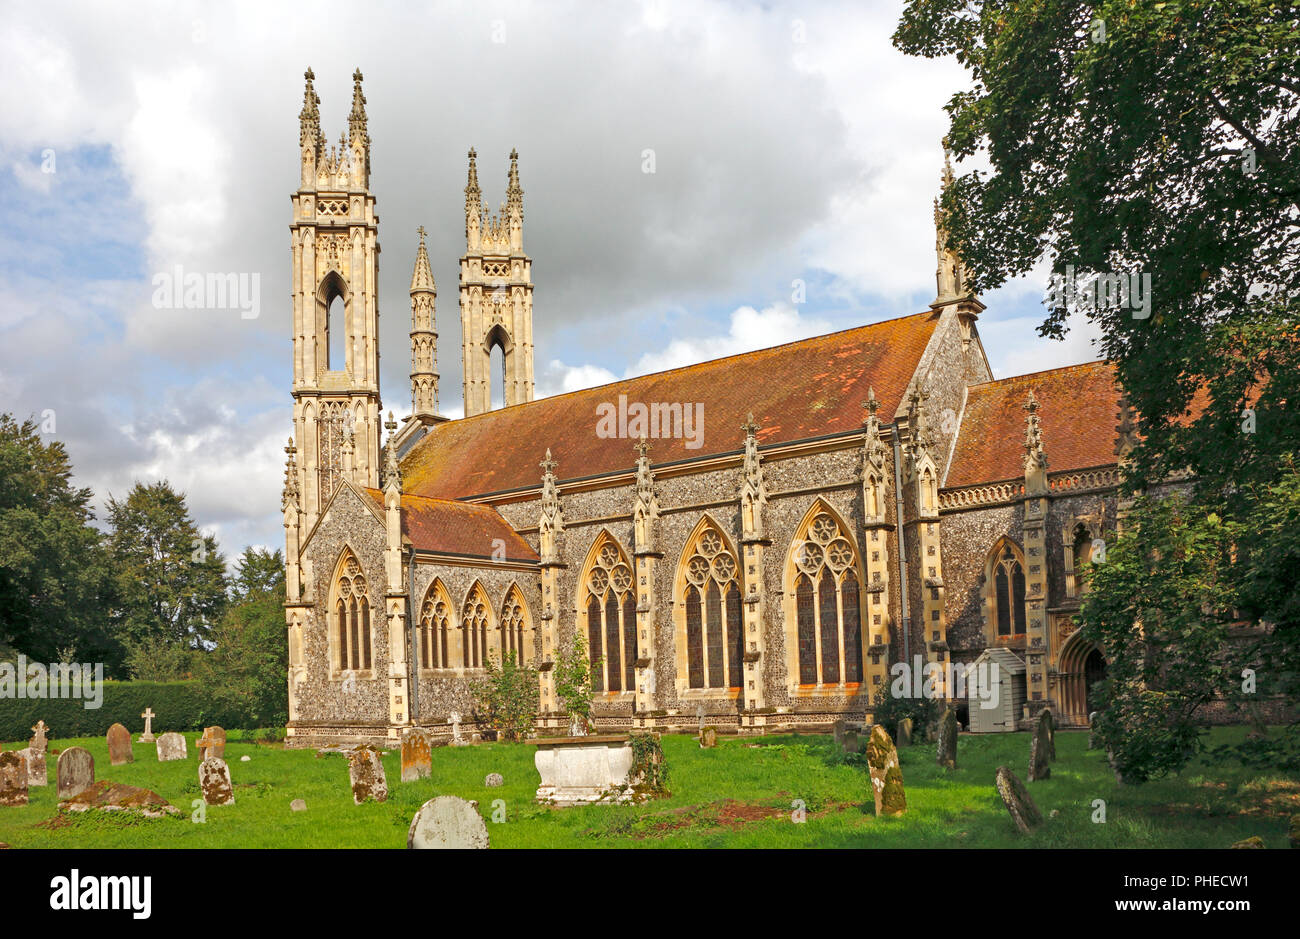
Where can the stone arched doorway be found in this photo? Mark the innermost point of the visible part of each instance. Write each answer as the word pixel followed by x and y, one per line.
pixel 1081 667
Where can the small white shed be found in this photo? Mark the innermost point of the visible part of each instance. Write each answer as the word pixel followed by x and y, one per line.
pixel 995 696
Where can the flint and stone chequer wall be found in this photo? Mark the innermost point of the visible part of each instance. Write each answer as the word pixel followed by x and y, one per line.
pixel 967 538
pixel 322 702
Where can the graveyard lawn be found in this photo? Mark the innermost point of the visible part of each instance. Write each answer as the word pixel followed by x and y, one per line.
pixel 739 794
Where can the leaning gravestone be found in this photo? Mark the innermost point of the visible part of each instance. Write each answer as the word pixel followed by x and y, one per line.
pixel 708 737
pixel 1047 717
pixel 905 732
pixel 74 772
pixel 416 763
pixel 212 744
pixel 171 746
pixel 886 776
pixel 214 779
pixel 1040 749
pixel 13 778
pixel 1020 805
pixel 947 751
pixel 447 822
pixel 119 745
pixel 366 772
pixel 1093 742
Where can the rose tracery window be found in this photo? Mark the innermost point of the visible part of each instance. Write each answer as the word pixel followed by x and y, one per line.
pixel 828 621
pixel 715 641
pixel 611 620
pixel 351 616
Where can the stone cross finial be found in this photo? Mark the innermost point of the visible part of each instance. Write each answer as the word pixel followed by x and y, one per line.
pixel 356 76
pixel 871 404
pixel 309 74
pixel 421 231
pixel 548 465
pixel 749 427
pixel 390 425
pixel 642 447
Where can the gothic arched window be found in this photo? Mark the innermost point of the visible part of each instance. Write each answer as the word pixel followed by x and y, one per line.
pixel 516 629
pixel 435 628
pixel 1005 585
pixel 475 619
pixel 351 615
pixel 714 637
pixel 826 612
pixel 610 607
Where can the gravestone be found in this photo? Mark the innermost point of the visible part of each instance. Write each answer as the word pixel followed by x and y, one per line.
pixel 708 737
pixel 212 744
pixel 947 750
pixel 1020 805
pixel 74 772
pixel 171 746
pixel 1048 718
pixel 119 745
pixel 39 741
pixel 843 730
pixel 245 759
pixel 147 736
pixel 13 778
pixel 37 767
pixel 447 822
pixel 851 742
pixel 905 732
pixel 492 780
pixel 416 763
pixel 886 776
pixel 456 739
pixel 366 772
pixel 214 780
pixel 1254 841
pixel 1093 742
pixel 298 805
pixel 1040 749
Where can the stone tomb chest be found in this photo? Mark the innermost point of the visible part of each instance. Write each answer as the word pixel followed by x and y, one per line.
pixel 575 770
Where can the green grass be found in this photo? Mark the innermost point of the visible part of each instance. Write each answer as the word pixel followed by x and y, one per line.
pixel 738 795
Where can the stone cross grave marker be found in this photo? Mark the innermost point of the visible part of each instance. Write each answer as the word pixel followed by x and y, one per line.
pixel 447 822
pixel 75 772
pixel 214 778
pixel 13 778
pixel 147 736
pixel 456 739
pixel 416 763
pixel 212 744
pixel 38 741
pixel 171 746
pixel 37 767
pixel 119 745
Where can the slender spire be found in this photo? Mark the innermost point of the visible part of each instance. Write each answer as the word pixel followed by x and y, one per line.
pixel 422 276
pixel 309 117
pixel 514 194
pixel 950 275
pixel 1035 456
pixel 424 336
pixel 357 119
pixel 392 469
pixel 473 195
pixel 290 496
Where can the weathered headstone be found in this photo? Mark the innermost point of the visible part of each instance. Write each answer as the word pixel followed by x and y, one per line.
pixel 13 778
pixel 39 741
pixel 851 742
pixel 456 739
pixel 708 737
pixel 74 772
pixel 105 796
pixel 1049 719
pixel 37 768
pixel 1094 743
pixel 366 772
pixel 245 758
pixel 416 763
pixel 447 822
pixel 119 745
pixel 171 746
pixel 492 780
pixel 947 749
pixel 212 744
pixel 1020 805
pixel 1254 841
pixel 1040 749
pixel 214 779
pixel 905 732
pixel 886 776
pixel 147 736
pixel 298 805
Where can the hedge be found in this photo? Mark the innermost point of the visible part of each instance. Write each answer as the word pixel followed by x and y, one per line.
pixel 177 705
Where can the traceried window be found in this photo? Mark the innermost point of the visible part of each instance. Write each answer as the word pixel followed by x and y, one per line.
pixel 474 624
pixel 715 639
pixel 828 613
pixel 515 629
pixel 1008 596
pixel 436 628
pixel 610 608
pixel 351 615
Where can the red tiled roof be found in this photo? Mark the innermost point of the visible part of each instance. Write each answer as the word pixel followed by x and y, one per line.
pixel 1077 413
pixel 458 528
pixel 795 391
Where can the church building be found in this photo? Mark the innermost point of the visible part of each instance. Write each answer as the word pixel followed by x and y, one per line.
pixel 755 539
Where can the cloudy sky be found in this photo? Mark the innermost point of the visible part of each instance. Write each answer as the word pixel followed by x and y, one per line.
pixel 791 142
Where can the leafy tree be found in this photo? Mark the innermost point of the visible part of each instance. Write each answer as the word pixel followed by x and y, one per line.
pixel 508 697
pixel 572 674
pixel 170 579
pixel 54 580
pixel 247 668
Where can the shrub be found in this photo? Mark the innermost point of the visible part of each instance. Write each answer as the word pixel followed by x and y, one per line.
pixel 887 710
pixel 508 697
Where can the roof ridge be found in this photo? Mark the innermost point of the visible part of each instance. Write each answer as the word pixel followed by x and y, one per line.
pixel 682 368
pixel 1044 371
